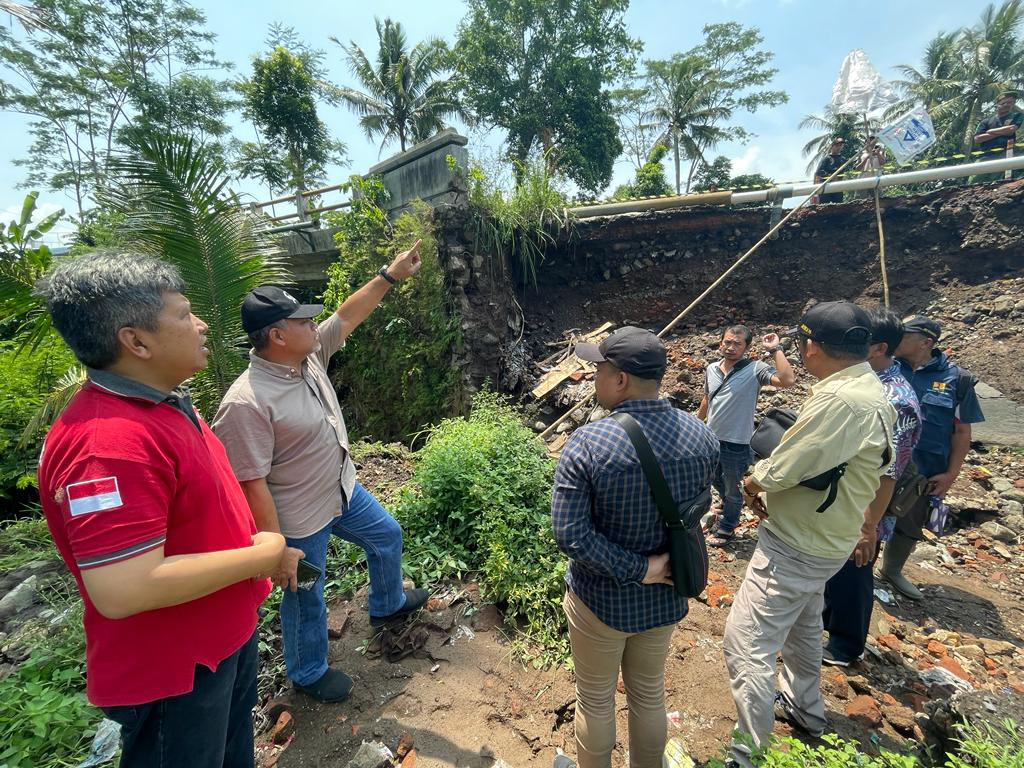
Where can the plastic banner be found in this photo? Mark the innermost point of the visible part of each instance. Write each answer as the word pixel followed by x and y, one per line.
pixel 860 90
pixel 909 135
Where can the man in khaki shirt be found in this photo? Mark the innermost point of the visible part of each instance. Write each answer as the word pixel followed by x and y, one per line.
pixel 281 424
pixel 846 420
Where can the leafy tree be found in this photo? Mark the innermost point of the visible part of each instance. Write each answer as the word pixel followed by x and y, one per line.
pixel 631 107
pixel 539 70
pixel 719 175
pixel 683 106
pixel 650 178
pixel 697 92
pixel 962 72
pixel 751 181
pixel 96 71
pixel 404 96
pixel 280 98
pixel 715 175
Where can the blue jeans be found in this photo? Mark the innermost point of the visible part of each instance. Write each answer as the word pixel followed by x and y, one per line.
pixel 367 524
pixel 209 727
pixel 733 464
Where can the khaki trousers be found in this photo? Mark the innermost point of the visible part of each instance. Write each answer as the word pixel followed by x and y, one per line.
pixel 777 608
pixel 598 652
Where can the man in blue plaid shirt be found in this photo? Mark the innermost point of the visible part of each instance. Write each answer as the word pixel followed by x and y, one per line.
pixel 620 601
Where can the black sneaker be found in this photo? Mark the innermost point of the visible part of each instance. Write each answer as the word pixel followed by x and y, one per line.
pixel 333 686
pixel 830 659
pixel 414 600
pixel 783 713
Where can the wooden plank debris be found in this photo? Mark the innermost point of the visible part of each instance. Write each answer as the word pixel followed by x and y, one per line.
pixel 570 365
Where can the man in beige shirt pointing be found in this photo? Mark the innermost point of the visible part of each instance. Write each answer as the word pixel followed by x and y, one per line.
pixel 286 439
pixel 847 420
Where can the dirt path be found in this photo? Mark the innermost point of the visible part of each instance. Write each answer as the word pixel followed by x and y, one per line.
pixel 472 703
pixel 466 702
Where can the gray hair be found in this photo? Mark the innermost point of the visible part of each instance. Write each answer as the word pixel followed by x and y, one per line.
pixel 261 336
pixel 95 295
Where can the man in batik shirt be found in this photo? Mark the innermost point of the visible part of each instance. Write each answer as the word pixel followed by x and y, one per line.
pixel 849 594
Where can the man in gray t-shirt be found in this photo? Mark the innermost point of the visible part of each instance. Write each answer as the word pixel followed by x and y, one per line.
pixel 731 387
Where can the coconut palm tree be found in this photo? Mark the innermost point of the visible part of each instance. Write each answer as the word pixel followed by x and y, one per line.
pixel 963 72
pixel 176 206
pixel 402 98
pixel 831 124
pixel 173 201
pixel 683 92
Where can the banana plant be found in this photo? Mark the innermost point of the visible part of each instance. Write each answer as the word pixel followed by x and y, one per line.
pixel 23 260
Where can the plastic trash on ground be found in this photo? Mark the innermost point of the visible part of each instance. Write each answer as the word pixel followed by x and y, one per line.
pixel 675 755
pixel 105 744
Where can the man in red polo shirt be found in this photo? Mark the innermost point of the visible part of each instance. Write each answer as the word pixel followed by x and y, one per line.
pixel 146 512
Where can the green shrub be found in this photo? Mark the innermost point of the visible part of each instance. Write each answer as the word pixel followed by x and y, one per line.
pixel 988 747
pixel 26 378
pixel 981 746
pixel 517 226
pixel 480 500
pixel 395 374
pixel 45 719
pixel 787 752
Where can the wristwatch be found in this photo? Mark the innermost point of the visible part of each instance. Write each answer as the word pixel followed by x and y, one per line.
pixel 383 272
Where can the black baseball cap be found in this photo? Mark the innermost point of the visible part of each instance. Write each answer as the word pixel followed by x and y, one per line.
pixel 268 304
pixel 924 325
pixel 630 349
pixel 834 322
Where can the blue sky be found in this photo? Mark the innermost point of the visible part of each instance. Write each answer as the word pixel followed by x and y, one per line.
pixel 808 38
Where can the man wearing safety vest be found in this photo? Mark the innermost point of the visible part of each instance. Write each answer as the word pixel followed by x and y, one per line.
pixel 949 406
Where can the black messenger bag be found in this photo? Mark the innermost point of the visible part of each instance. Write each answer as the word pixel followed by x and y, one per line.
pixel 910 487
pixel 688 554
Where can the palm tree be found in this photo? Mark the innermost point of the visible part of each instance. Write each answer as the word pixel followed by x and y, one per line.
pixel 935 85
pixel 964 71
pixel 831 124
pixel 683 90
pixel 402 98
pixel 29 17
pixel 173 195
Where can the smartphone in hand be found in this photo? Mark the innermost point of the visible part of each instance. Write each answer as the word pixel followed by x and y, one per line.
pixel 307 574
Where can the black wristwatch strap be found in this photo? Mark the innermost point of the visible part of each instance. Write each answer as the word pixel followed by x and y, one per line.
pixel 383 272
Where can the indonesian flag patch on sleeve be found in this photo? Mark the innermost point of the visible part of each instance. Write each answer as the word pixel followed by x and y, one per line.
pixel 91 496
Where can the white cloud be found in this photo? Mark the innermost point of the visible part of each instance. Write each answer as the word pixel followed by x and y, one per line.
pixel 745 162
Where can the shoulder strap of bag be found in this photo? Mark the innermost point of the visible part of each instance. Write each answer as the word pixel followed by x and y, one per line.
pixel 838 472
pixel 655 477
pixel 740 365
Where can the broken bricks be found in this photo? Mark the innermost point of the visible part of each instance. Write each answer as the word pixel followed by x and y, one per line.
pixel 865 708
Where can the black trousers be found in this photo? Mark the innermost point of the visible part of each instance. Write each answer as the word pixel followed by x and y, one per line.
pixel 849 598
pixel 210 727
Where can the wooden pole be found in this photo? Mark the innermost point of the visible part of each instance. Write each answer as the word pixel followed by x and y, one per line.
pixel 878 221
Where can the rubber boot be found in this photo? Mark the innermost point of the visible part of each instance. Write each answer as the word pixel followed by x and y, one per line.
pixel 895 554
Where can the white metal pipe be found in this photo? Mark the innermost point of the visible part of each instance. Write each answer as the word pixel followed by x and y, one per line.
pixel 801 189
pixel 890 180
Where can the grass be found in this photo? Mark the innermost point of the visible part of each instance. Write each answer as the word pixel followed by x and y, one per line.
pixel 24 540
